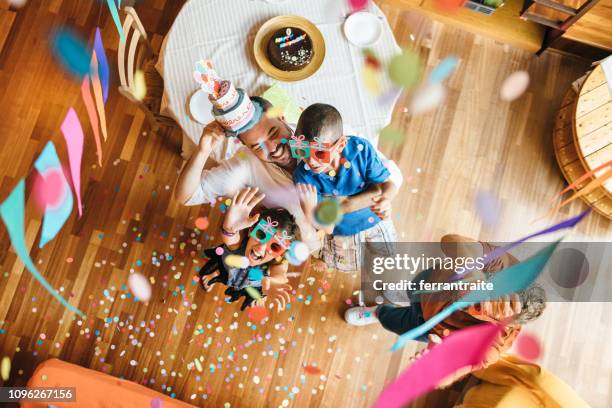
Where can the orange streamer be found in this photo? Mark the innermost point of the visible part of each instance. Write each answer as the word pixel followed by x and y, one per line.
pixel 97 88
pixel 93 117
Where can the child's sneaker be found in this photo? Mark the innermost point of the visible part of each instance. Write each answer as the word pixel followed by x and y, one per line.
pixel 361 316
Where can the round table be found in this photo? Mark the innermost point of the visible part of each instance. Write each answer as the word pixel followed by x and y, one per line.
pixel 223 31
pixel 583 137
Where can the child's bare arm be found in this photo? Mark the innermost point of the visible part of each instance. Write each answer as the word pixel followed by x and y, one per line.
pixel 238 215
pixel 360 200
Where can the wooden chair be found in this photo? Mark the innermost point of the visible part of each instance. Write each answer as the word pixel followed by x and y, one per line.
pixel 137 53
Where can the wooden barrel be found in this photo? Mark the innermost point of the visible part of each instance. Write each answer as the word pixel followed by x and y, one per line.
pixel 582 137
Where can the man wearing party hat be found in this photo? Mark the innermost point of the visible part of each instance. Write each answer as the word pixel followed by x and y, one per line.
pixel 264 162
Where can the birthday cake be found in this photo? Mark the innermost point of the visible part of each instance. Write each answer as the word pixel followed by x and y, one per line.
pixel 232 107
pixel 290 49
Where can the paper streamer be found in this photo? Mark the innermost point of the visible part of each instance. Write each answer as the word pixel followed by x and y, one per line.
pixel 103 69
pixel 596 182
pixel 463 348
pixel 500 251
pixel 444 69
pixel 73 134
pixel 582 178
pixel 115 13
pixel 55 216
pixel 510 280
pixel 12 212
pixel 97 88
pixel 93 117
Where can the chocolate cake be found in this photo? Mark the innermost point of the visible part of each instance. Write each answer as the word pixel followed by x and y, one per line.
pixel 290 49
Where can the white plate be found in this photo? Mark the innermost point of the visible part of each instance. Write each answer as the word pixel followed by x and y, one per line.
pixel 363 28
pixel 200 107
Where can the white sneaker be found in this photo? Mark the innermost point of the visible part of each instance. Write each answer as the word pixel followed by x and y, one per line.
pixel 361 316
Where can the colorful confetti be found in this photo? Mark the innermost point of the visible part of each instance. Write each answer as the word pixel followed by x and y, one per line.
pixel 5 368
pixel 328 212
pixel 405 69
pixel 392 135
pixel 514 86
pixel 140 287
pixel 72 52
pixel 257 313
pixel 427 98
pixel 444 69
pixel 487 207
pixel 236 261
pixel 140 86
pixel 201 223
pixel 73 135
pixel 528 346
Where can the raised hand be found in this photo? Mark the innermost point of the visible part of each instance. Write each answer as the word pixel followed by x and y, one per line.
pixel 277 292
pixel 212 134
pixel 308 199
pixel 238 215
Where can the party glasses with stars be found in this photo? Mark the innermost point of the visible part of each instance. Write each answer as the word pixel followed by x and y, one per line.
pixel 302 149
pixel 276 242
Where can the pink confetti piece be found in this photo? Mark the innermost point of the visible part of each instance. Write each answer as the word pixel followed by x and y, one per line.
pixel 73 134
pixel 528 346
pixel 514 86
pixel 463 348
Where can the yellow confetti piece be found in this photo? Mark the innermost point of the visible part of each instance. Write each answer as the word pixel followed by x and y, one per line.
pixel 371 80
pixel 237 261
pixel 332 173
pixel 5 368
pixel 254 293
pixel 198 365
pixel 140 86
pixel 228 202
pixel 275 112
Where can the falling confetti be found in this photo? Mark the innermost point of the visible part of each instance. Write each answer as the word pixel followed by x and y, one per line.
pixel 427 98
pixel 140 287
pixel 528 346
pixel 391 135
pixel 357 5
pixel 5 368
pixel 140 86
pixel 201 223
pixel 72 52
pixel 237 261
pixel 257 313
pixel 444 69
pixel 449 5
pixel 328 212
pixel 371 80
pixel 312 370
pixel 514 86
pixel 487 207
pixel 405 69
pixel 299 251
pixel 254 293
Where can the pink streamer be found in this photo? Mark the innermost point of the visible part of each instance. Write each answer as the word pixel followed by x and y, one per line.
pixel 93 117
pixel 467 347
pixel 73 134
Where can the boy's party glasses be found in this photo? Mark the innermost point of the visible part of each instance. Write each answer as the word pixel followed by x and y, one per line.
pixel 302 149
pixel 265 232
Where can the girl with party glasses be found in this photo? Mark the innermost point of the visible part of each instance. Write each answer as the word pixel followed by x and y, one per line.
pixel 250 262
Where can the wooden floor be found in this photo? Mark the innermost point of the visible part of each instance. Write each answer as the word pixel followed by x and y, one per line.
pixel 473 142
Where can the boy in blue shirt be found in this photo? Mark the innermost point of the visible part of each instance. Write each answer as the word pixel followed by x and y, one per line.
pixel 348 169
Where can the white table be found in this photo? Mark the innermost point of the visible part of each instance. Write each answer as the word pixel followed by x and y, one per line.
pixel 223 31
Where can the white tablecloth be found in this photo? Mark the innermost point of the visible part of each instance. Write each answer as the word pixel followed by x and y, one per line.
pixel 223 31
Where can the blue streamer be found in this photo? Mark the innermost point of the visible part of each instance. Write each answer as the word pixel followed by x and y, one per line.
pixel 444 69
pixel 510 280
pixel 12 212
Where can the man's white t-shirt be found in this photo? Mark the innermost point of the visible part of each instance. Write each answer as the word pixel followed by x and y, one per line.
pixel 244 169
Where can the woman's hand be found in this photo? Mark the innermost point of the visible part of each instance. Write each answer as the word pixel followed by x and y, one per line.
pixel 238 215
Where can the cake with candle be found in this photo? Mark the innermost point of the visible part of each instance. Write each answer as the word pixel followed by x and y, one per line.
pixel 232 107
pixel 290 49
